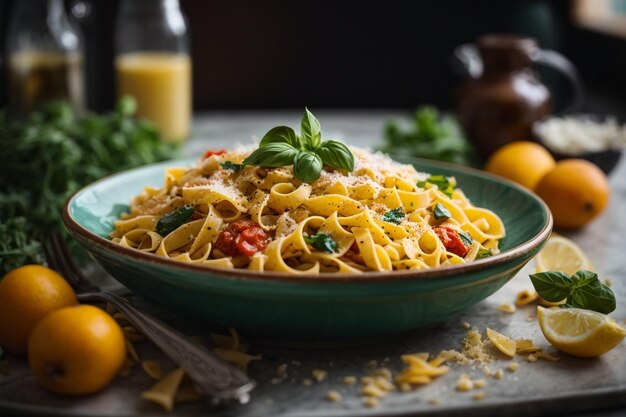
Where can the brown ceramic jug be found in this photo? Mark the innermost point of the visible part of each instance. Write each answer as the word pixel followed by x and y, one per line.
pixel 502 96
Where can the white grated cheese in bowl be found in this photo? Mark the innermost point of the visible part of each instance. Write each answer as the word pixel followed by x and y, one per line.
pixel 579 134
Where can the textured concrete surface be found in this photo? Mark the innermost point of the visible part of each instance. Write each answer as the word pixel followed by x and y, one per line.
pixel 570 385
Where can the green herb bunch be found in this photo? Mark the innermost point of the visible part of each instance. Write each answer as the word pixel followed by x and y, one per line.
pixel 430 135
pixel 581 290
pixel 53 153
pixel 281 146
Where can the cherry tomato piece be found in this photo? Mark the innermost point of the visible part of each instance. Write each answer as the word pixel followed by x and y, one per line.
pixel 451 240
pixel 211 152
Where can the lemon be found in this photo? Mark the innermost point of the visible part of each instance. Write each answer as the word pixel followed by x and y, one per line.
pixel 502 343
pixel 579 332
pixel 561 254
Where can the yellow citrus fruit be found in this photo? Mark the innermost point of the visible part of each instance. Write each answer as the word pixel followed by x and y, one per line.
pixel 76 350
pixel 502 343
pixel 579 332
pixel 562 254
pixel 576 191
pixel 523 162
pixel 28 294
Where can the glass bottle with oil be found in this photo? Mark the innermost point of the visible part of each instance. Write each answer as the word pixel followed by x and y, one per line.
pixel 45 57
pixel 152 63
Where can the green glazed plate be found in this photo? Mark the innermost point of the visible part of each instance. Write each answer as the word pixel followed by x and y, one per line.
pixel 323 308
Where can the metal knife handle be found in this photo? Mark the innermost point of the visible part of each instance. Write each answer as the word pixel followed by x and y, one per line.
pixel 214 377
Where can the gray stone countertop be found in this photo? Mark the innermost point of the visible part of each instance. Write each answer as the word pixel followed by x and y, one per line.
pixel 569 386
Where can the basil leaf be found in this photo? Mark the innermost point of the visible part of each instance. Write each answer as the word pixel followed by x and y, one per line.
pixel 583 278
pixel 231 165
pixel 172 221
pixel 466 238
pixel 322 242
pixel 552 286
pixel 281 134
pixel 594 296
pixel 336 155
pixel 310 130
pixel 441 181
pixel 394 216
pixel 307 166
pixel 483 253
pixel 274 155
pixel 441 212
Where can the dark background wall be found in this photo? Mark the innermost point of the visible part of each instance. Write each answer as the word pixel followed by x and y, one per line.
pixel 342 53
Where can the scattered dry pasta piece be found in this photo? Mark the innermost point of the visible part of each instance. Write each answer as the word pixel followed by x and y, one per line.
pixel 349 380
pixel 372 390
pixel 152 369
pixel 478 396
pixel 133 334
pixel 126 368
pixel 187 393
pixel 502 343
pixel 464 383
pixel 164 391
pixel 319 374
pixel 420 371
pixel 235 357
pixel 480 383
pixel 507 308
pixel 512 367
pixel 131 351
pixel 525 297
pixel 333 396
pixel 526 346
pixel 371 402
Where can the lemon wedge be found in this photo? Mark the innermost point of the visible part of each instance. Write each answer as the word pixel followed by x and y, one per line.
pixel 561 254
pixel 579 332
pixel 502 343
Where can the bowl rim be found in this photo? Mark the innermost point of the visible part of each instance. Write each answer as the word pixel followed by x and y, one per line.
pixel 134 255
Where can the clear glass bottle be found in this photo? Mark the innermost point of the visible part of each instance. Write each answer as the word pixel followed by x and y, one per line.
pixel 45 57
pixel 152 63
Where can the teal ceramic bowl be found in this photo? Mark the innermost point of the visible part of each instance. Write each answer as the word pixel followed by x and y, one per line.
pixel 277 306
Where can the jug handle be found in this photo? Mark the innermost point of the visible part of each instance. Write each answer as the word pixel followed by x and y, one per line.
pixel 465 61
pixel 564 66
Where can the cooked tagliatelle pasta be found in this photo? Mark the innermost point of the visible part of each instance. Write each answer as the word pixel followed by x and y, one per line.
pixel 382 216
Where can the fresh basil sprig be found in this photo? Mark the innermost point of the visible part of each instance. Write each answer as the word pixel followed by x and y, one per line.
pixel 322 242
pixel 581 290
pixel 281 146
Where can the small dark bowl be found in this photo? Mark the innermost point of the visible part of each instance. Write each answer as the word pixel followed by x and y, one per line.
pixel 606 159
